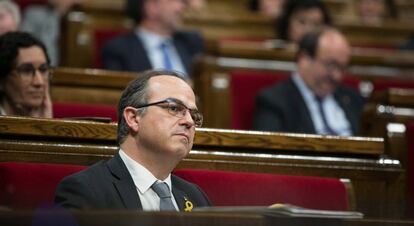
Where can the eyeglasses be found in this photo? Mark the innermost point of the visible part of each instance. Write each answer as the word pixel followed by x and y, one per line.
pixel 332 65
pixel 177 108
pixel 28 71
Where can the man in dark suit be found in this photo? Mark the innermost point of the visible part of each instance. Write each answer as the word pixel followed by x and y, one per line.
pixel 313 99
pixel 156 42
pixel 156 128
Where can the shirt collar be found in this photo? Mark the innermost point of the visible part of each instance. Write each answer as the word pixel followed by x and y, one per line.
pixel 306 92
pixel 151 39
pixel 142 177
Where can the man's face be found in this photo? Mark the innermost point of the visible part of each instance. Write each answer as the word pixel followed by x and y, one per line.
pixel 170 12
pixel 323 73
pixel 21 87
pixel 159 130
pixel 7 22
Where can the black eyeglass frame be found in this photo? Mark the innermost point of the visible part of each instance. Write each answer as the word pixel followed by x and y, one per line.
pixel 195 114
pixel 20 71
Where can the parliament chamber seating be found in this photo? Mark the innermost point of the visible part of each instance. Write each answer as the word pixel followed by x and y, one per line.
pixel 225 188
pixel 246 85
pixel 375 178
pixel 30 185
pixel 87 111
pixel 101 36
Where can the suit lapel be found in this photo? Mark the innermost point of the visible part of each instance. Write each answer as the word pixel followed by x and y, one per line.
pixel 344 102
pixel 179 197
pixel 306 122
pixel 184 203
pixel 124 184
pixel 138 54
pixel 182 50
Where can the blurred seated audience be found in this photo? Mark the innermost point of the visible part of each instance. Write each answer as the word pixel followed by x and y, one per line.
pixel 196 5
pixel 373 12
pixel 156 42
pixel 268 8
pixel 43 21
pixel 24 76
pixel 299 17
pixel 313 100
pixel 9 16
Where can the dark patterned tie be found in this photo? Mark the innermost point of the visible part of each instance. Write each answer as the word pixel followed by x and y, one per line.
pixel 328 129
pixel 163 191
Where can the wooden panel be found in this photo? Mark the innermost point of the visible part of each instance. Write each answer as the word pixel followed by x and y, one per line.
pixel 395 97
pixel 376 179
pixel 215 24
pixel 89 85
pixel 212 82
pixel 207 218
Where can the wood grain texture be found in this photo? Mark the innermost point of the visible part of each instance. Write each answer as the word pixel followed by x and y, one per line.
pixel 375 178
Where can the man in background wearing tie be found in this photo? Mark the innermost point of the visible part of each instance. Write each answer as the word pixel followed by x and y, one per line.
pixel 156 128
pixel 313 100
pixel 156 42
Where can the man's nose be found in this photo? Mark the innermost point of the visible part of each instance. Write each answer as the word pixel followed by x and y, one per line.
pixel 187 119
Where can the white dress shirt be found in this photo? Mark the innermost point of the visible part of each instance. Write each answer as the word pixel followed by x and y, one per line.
pixel 335 115
pixel 152 43
pixel 143 180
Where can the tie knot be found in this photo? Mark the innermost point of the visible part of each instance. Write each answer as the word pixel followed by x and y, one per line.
pixel 319 99
pixel 162 189
pixel 164 44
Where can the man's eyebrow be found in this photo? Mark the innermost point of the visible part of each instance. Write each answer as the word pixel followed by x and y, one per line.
pixel 180 102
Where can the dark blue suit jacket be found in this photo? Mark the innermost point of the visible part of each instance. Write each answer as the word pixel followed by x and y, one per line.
pixel 282 108
pixel 127 53
pixel 109 185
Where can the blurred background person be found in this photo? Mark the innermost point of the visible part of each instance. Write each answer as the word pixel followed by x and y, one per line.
pixel 374 12
pixel 43 21
pixel 9 16
pixel 299 17
pixel 313 100
pixel 157 41
pixel 268 8
pixel 196 5
pixel 24 76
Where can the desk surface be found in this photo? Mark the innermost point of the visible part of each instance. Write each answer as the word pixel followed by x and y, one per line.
pixel 126 218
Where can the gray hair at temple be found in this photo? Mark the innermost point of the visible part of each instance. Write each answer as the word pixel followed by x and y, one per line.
pixel 13 8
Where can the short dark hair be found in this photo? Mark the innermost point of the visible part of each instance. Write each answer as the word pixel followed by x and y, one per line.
pixel 309 43
pixel 10 43
pixel 135 94
pixel 135 10
pixel 292 6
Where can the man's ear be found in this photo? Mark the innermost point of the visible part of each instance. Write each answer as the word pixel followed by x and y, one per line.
pixel 303 61
pixel 131 119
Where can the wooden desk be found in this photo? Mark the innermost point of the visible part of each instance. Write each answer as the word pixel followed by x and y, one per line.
pixel 126 218
pixel 376 179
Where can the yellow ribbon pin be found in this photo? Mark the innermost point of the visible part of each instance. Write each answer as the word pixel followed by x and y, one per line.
pixel 188 205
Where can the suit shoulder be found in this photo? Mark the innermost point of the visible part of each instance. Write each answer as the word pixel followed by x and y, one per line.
pixel 191 38
pixel 121 41
pixel 87 175
pixel 350 92
pixel 283 88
